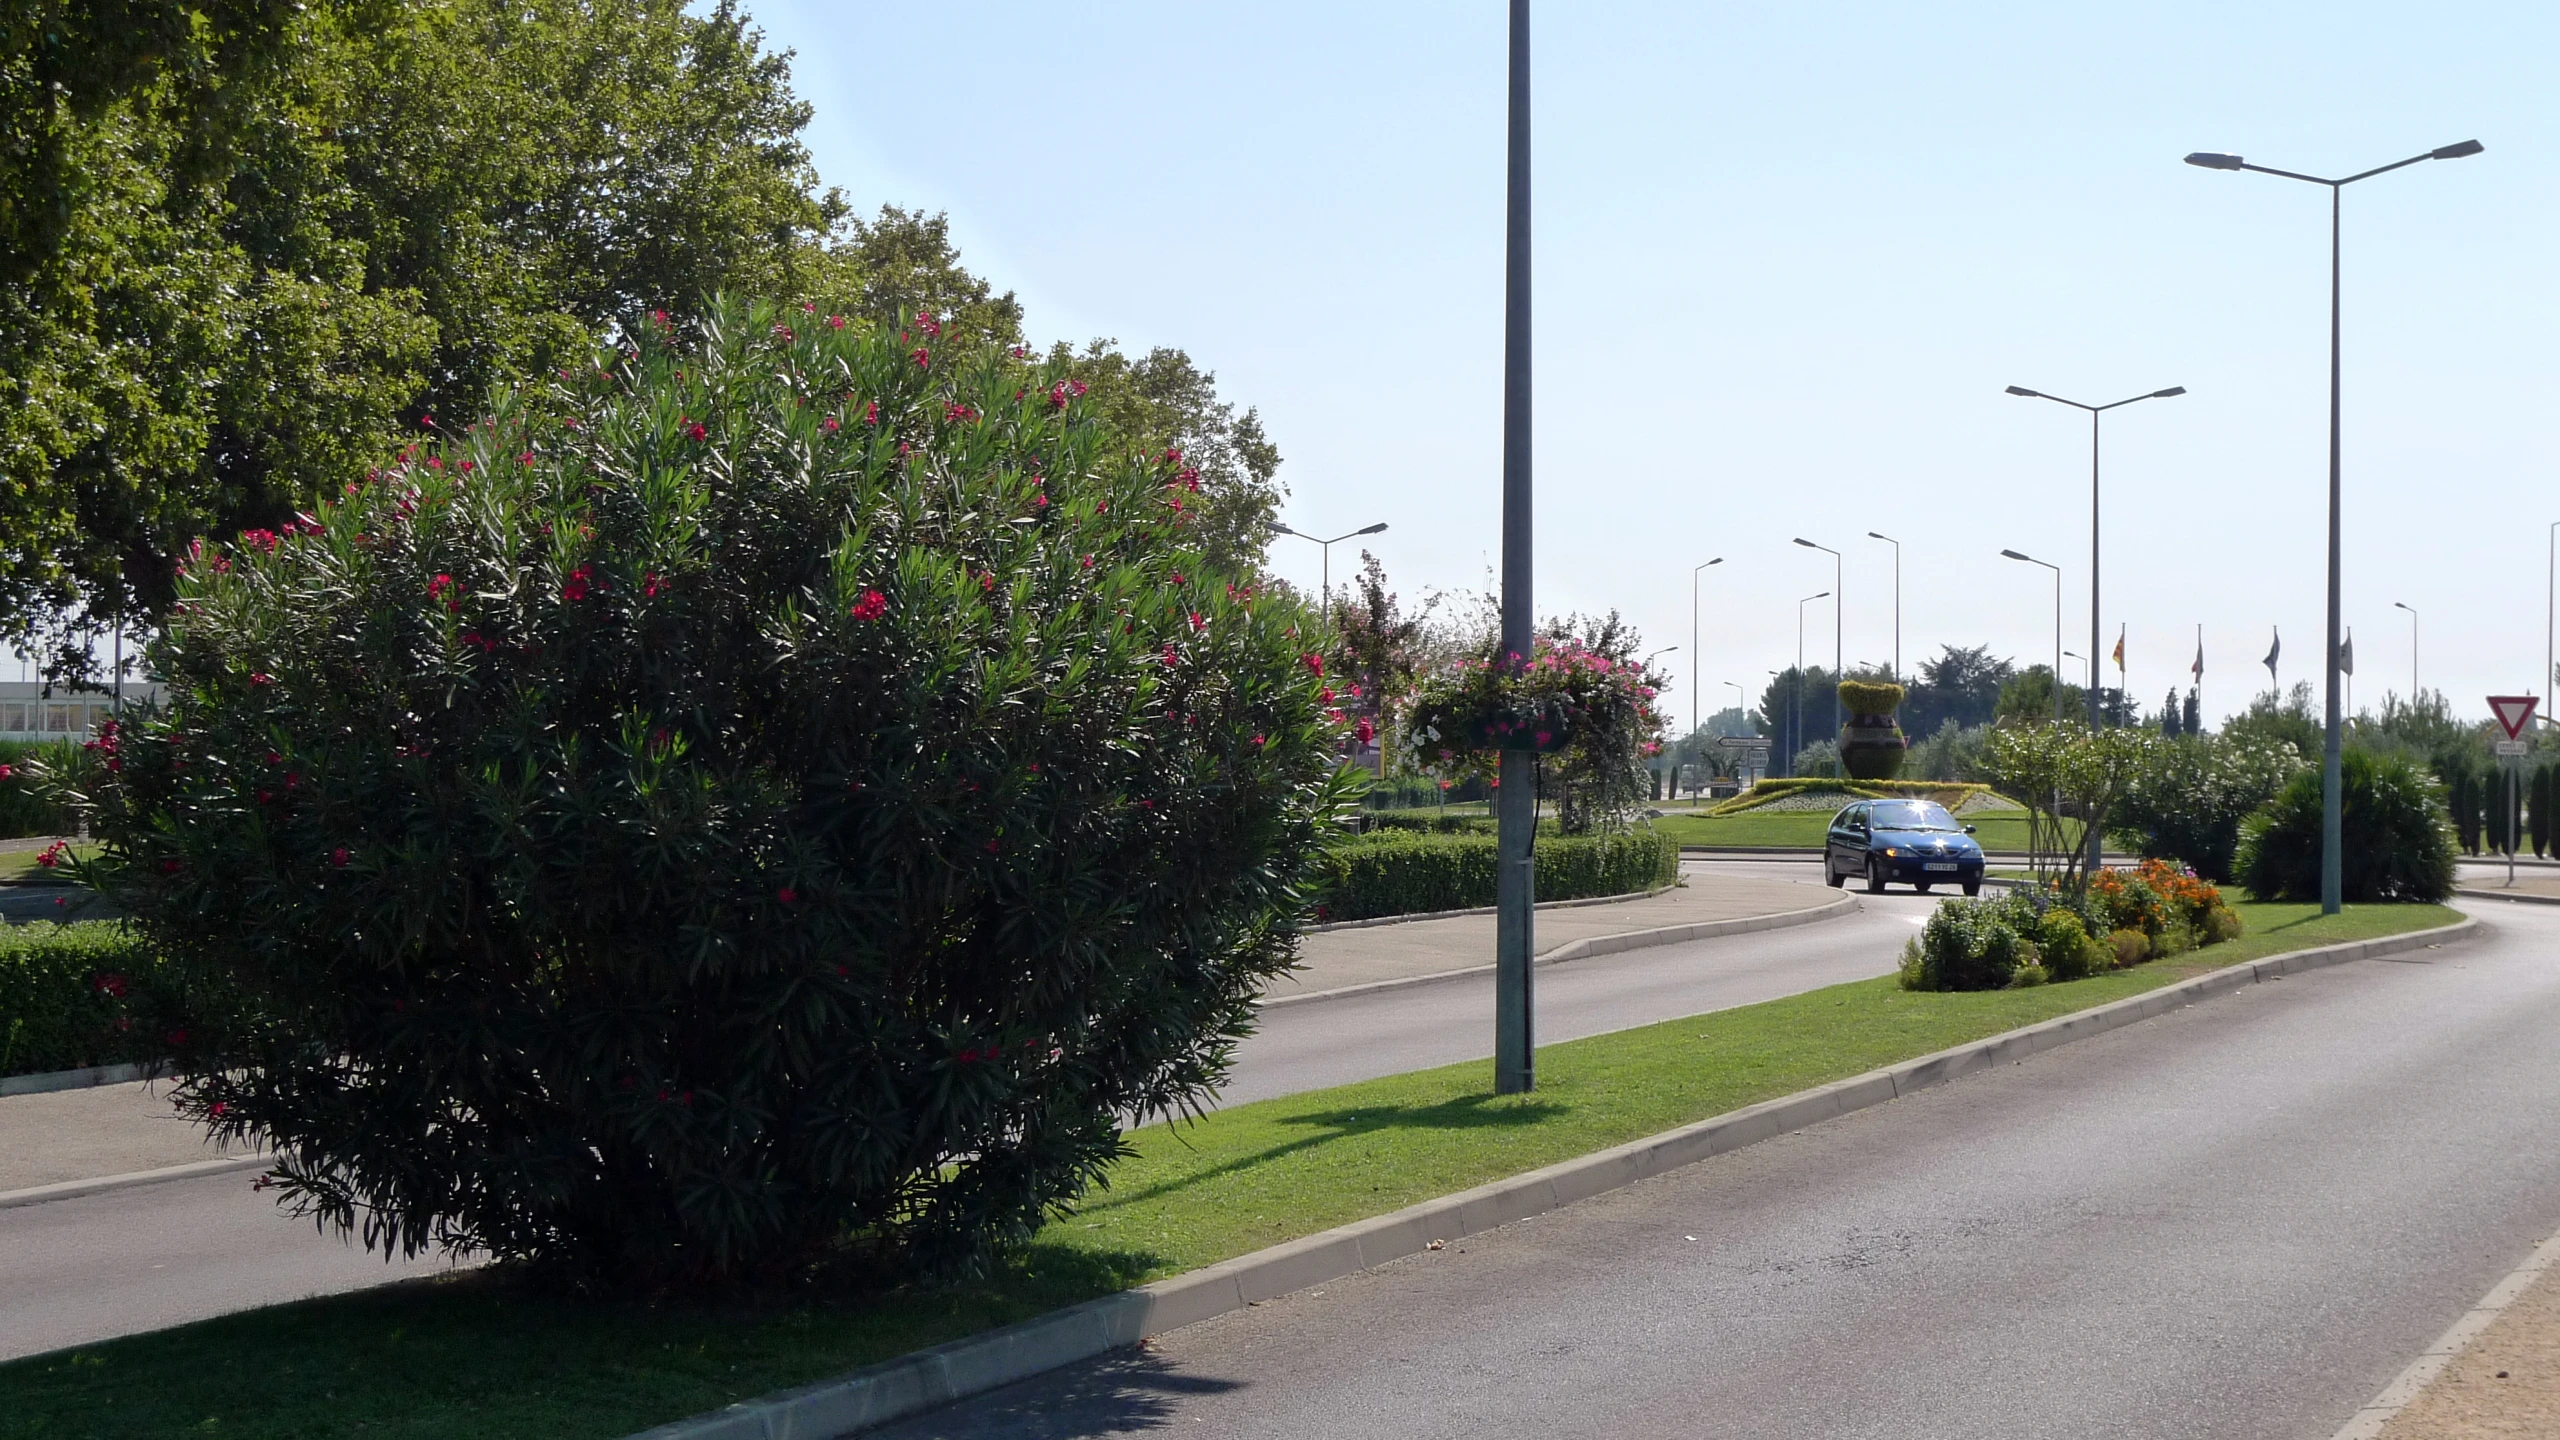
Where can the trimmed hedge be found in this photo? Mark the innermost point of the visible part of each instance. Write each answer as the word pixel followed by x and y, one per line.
pixel 1378 824
pixel 78 995
pixel 1950 793
pixel 1410 874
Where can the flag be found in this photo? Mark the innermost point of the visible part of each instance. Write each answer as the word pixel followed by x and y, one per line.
pixel 2119 657
pixel 2347 653
pixel 2275 647
pixel 2197 669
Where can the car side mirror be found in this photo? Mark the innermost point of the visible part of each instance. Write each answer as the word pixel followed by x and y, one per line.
pixel 1968 829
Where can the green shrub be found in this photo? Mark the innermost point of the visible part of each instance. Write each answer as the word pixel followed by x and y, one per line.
pixel 2188 802
pixel 1966 945
pixel 1390 822
pixel 2132 947
pixel 2395 842
pixel 84 994
pixel 2065 947
pixel 1870 697
pixel 1366 877
pixel 788 790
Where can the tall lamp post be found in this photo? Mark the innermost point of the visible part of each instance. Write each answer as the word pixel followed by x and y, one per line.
pixel 1324 600
pixel 1795 691
pixel 1697 717
pixel 1897 601
pixel 2550 586
pixel 2332 842
pixel 1837 590
pixel 2094 412
pixel 1516 815
pixel 2412 652
pixel 2057 624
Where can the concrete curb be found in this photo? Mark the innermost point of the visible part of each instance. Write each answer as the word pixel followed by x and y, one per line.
pixel 2422 1372
pixel 1376 920
pixel 46 1082
pixel 915 1383
pixel 1596 945
pixel 73 1189
pixel 2472 893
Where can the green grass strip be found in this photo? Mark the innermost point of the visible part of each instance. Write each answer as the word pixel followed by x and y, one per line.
pixel 1803 829
pixel 481 1355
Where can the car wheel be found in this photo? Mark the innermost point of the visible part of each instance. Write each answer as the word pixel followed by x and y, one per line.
pixel 1973 887
pixel 1831 875
pixel 1875 876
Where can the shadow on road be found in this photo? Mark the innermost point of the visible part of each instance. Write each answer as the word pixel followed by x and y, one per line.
pixel 1125 1391
pixel 1467 1112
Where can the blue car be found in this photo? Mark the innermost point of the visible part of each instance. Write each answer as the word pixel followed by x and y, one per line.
pixel 1915 842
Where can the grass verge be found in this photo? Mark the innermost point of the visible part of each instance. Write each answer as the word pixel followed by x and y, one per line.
pixel 1804 829
pixel 481 1355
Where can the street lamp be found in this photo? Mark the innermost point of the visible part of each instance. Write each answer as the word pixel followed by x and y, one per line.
pixel 1795 691
pixel 2094 412
pixel 1324 597
pixel 2057 624
pixel 2413 648
pixel 2332 840
pixel 1897 601
pixel 1516 813
pixel 1696 717
pixel 2550 574
pixel 1836 590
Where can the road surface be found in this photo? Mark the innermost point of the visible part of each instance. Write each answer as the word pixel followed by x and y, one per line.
pixel 2239 1219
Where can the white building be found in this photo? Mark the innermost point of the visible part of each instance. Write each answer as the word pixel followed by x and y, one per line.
pixel 28 713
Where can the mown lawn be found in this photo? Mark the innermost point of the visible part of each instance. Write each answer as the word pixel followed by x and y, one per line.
pixel 2002 831
pixel 486 1355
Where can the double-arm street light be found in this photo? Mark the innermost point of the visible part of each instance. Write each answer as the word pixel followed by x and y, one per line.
pixel 1836 591
pixel 2057 623
pixel 1697 718
pixel 2332 851
pixel 1897 601
pixel 2413 648
pixel 1324 600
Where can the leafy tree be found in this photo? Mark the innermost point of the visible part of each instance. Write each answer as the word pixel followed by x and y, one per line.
pixel 1167 402
pixel 2027 696
pixel 2289 720
pixel 2065 768
pixel 1798 704
pixel 249 240
pixel 782 788
pixel 1960 684
pixel 1376 643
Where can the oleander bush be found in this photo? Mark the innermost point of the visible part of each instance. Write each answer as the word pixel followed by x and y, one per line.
pixel 784 795
pixel 2396 843
pixel 1407 873
pixel 2188 802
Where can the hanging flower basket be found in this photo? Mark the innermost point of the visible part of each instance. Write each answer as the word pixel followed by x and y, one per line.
pixel 1558 695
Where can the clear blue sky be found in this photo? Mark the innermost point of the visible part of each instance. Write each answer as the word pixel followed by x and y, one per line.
pixel 1787 258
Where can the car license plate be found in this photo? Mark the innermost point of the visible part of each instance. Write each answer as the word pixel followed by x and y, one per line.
pixel 1939 865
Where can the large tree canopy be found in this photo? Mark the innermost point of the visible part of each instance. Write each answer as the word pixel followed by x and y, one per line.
pixel 247 240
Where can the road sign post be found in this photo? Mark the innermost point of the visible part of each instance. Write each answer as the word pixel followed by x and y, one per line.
pixel 2514 713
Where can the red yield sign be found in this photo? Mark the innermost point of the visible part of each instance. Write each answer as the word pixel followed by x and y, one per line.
pixel 2514 712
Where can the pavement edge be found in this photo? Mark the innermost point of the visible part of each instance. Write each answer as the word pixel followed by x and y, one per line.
pixel 2404 1390
pixel 912 1384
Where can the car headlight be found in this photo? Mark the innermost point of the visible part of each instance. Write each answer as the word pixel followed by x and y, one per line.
pixel 1890 852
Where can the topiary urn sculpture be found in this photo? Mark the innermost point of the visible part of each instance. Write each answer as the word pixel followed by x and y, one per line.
pixel 1871 744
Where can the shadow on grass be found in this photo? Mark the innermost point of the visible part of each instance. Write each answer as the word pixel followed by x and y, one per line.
pixel 1466 1112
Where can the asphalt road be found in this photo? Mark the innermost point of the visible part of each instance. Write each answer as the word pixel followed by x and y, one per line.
pixel 2239 1219
pixel 1313 1044
pixel 87 1269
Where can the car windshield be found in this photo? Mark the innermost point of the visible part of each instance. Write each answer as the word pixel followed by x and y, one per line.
pixel 1913 815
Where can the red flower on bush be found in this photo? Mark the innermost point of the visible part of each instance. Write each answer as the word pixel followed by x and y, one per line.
pixel 442 588
pixel 8 772
pixel 1314 664
pixel 53 854
pixel 926 323
pixel 829 425
pixel 110 984
pixel 923 358
pixel 1171 657
pixel 338 858
pixel 787 895
pixel 958 413
pixel 871 606
pixel 579 582
pixel 695 431
pixel 1198 624
pixel 650 584
pixel 1367 731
